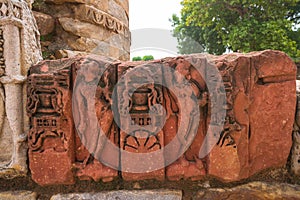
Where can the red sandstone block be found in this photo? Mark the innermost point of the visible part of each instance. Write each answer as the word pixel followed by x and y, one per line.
pixel 152 128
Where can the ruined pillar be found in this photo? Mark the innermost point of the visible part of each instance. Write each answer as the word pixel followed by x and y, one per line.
pixel 20 48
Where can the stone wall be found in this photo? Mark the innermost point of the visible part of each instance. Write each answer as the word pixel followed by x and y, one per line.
pixel 70 27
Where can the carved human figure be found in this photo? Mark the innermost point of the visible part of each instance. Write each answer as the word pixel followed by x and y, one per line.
pixel 85 97
pixel 93 101
pixel 105 116
pixel 190 96
pixel 95 121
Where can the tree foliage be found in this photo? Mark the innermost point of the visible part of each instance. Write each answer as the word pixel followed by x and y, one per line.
pixel 137 58
pixel 145 58
pixel 238 25
pixel 148 57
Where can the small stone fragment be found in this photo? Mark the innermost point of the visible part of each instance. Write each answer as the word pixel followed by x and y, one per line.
pixel 124 194
pixel 44 22
pixel 13 195
pixel 254 190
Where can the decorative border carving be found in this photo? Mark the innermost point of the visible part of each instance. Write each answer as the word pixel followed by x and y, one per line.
pixel 230 122
pixel 11 9
pixel 99 17
pixel 2 60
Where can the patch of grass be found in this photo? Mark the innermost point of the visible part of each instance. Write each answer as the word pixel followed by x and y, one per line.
pixel 46 55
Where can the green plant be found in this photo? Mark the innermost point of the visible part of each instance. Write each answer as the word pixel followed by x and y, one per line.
pixel 48 37
pixel 148 57
pixel 145 58
pixel 238 25
pixel 137 58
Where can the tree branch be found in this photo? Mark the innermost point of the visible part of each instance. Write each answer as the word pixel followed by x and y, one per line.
pixel 239 9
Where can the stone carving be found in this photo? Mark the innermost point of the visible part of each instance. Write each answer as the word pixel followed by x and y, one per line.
pixel 93 107
pixel 20 48
pixel 188 165
pixel 51 134
pixel 256 103
pixel 11 10
pixel 2 59
pixel 169 109
pixel 141 118
pixel 97 27
pixel 45 107
pixel 96 16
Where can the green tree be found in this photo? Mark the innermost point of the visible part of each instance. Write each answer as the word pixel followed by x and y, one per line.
pixel 137 58
pixel 238 25
pixel 145 58
pixel 148 57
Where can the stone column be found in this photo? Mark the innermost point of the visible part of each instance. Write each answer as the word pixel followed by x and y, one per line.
pixel 19 50
pixel 99 27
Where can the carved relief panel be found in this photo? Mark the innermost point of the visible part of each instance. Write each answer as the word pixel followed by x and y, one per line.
pixel 176 118
pixel 186 103
pixel 51 134
pixel 140 100
pixel 65 105
pixel 97 137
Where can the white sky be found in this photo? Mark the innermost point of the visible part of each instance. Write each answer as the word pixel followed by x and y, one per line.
pixel 152 13
pixel 149 20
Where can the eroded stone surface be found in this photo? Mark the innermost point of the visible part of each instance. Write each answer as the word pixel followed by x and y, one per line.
pixel 19 49
pixel 260 96
pixel 252 102
pixel 12 195
pixel 255 190
pixel 53 135
pixel 124 194
pixel 161 119
pixel 88 26
pixel 140 132
pixel 44 22
pixel 92 97
pixel 295 152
